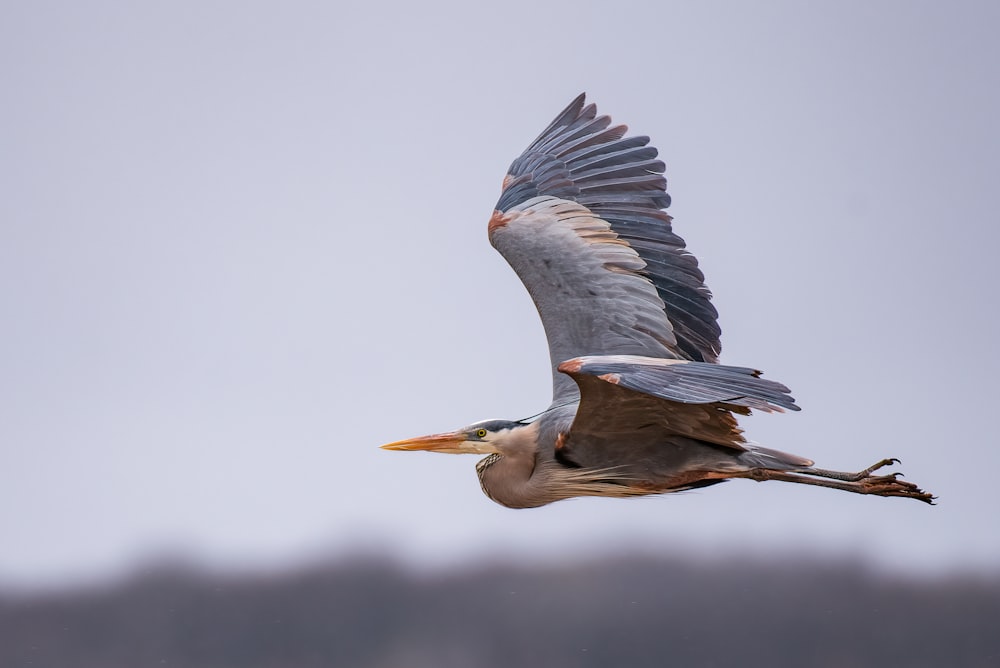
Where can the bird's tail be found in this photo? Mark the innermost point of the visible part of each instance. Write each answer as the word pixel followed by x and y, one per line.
pixel 759 457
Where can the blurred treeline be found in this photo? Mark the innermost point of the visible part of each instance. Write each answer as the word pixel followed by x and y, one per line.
pixel 622 612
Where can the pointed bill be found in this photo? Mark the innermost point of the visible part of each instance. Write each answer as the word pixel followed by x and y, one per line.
pixel 449 442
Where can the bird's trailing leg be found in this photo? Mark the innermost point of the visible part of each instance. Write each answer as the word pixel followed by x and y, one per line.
pixel 862 482
pixel 852 477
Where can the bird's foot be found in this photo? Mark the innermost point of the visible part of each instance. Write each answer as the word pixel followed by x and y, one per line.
pixel 891 485
pixel 851 477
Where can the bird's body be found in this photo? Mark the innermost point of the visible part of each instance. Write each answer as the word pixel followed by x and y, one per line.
pixel 640 404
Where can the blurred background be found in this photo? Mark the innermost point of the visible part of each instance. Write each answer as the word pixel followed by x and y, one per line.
pixel 243 244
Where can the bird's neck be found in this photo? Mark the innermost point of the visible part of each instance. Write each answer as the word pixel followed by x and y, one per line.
pixel 509 476
pixel 508 480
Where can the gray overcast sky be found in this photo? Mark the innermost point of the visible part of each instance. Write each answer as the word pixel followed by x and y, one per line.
pixel 243 244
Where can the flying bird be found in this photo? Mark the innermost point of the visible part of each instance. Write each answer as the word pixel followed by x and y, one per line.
pixel 640 404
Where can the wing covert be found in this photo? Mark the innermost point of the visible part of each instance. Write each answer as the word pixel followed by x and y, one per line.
pixel 675 397
pixel 661 412
pixel 586 284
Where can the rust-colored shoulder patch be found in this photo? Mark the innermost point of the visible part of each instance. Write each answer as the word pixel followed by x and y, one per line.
pixel 571 366
pixel 497 220
pixel 612 378
pixel 561 441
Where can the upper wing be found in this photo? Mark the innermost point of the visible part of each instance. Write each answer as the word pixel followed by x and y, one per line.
pixel 580 221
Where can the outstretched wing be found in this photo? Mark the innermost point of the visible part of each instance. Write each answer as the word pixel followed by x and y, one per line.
pixel 652 410
pixel 580 220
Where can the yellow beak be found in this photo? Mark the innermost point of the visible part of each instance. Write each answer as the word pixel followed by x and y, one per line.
pixel 449 442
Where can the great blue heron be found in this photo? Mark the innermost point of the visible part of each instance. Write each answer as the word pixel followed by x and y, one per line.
pixel 639 403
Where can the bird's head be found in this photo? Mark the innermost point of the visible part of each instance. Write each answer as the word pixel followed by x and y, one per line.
pixel 482 438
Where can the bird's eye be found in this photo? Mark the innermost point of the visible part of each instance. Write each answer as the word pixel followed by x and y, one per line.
pixel 481 433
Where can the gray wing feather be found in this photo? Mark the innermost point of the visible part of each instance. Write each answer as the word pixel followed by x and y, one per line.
pixel 627 399
pixel 687 382
pixel 581 158
pixel 586 284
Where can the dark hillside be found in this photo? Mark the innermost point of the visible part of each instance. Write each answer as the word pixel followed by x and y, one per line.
pixel 632 613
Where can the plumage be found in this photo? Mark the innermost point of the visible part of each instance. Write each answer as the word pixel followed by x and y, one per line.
pixel 640 404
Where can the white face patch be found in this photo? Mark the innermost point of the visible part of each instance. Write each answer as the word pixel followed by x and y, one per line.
pixel 483 423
